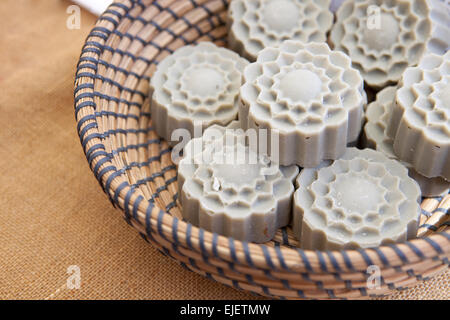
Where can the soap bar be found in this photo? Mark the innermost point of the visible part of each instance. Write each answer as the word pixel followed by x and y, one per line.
pixel 383 38
pixel 362 200
pixel 307 94
pixel 196 84
pixel 378 115
pixel 227 188
pixel 420 122
pixel 256 24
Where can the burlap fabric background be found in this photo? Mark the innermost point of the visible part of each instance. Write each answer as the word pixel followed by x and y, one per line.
pixel 53 212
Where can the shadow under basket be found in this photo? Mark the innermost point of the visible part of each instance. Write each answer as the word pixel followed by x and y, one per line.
pixel 134 168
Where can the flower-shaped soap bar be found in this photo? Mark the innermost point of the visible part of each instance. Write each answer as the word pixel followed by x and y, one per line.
pixel 362 200
pixel 195 84
pixel 227 188
pixel 420 123
pixel 309 95
pixel 256 24
pixel 384 37
pixel 378 115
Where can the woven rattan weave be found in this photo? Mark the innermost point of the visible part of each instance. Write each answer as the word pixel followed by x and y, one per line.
pixel 134 168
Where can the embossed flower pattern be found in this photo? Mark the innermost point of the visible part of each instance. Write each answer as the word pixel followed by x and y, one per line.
pixel 362 200
pixel 198 82
pixel 256 24
pixel 420 124
pixel 378 116
pixel 307 92
pixel 382 37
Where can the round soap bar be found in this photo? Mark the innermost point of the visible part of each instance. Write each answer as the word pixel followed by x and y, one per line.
pixel 378 115
pixel 227 188
pixel 256 24
pixel 309 95
pixel 362 200
pixel 384 37
pixel 195 84
pixel 420 122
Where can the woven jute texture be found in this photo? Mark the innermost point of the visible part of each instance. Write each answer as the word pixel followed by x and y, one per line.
pixel 53 212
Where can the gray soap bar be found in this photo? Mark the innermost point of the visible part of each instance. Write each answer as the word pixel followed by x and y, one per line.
pixel 195 84
pixel 256 24
pixel 378 115
pixel 308 94
pixel 240 198
pixel 384 38
pixel 362 200
pixel 420 122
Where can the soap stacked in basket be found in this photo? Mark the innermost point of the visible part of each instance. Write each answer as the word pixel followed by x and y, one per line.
pixel 266 129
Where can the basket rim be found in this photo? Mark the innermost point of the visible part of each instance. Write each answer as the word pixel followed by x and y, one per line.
pixel 154 219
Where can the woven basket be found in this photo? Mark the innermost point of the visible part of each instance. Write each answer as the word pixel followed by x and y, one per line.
pixel 134 168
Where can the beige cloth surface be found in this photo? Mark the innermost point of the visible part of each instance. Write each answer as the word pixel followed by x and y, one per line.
pixel 53 213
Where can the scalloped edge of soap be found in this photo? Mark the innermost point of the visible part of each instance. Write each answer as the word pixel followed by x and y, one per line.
pixel 411 144
pixel 373 135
